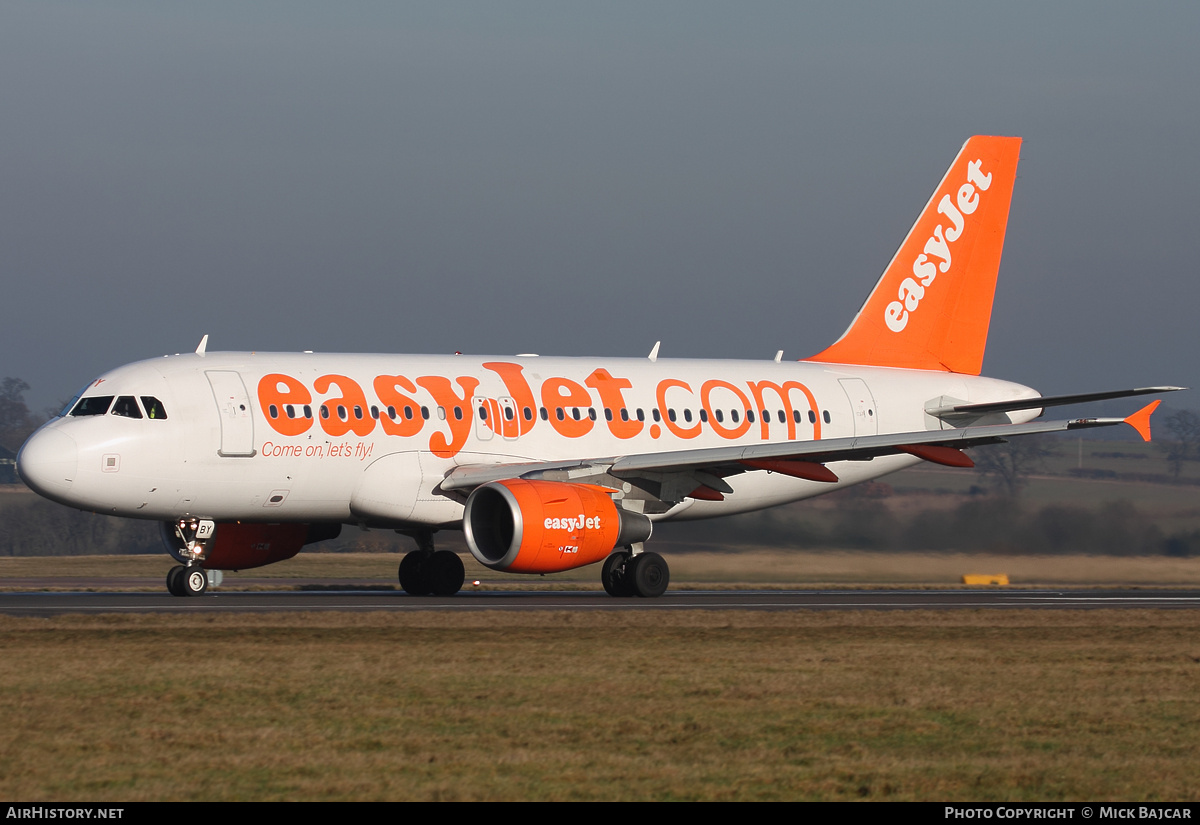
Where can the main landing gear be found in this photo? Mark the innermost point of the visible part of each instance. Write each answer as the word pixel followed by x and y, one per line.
pixel 627 574
pixel 429 572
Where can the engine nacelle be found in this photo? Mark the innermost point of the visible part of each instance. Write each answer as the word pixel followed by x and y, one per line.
pixel 242 546
pixel 546 526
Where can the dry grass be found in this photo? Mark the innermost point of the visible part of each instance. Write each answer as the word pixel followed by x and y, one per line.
pixel 957 705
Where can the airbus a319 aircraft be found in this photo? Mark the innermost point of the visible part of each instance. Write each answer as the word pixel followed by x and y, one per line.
pixel 549 464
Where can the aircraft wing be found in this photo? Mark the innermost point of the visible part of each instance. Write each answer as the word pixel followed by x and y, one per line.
pixel 706 468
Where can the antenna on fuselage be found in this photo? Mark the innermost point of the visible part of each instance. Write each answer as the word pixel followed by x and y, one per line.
pixel 653 356
pixel 203 345
pixel 778 356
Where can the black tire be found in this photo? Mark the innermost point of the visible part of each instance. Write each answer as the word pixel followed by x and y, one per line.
pixel 650 575
pixel 614 575
pixel 443 573
pixel 411 580
pixel 194 581
pixel 175 581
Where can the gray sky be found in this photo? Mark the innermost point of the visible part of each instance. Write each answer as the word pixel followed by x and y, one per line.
pixel 582 178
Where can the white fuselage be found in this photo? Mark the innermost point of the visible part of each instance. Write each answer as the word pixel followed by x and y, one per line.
pixel 277 437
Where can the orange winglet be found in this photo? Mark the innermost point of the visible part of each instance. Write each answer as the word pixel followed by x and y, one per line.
pixel 1140 420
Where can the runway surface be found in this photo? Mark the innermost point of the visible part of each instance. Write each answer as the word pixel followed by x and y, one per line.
pixel 62 603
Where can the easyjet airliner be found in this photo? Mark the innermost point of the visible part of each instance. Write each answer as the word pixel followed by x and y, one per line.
pixel 548 464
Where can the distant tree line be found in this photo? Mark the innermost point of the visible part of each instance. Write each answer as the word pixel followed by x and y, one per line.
pixel 983 524
pixel 16 421
pixel 1183 440
pixel 32 526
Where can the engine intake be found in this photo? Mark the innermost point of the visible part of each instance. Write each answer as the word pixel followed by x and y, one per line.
pixel 547 526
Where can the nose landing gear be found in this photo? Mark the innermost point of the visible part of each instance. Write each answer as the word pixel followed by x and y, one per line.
pixel 187 541
pixel 187 581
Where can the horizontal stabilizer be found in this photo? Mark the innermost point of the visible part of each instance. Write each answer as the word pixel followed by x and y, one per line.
pixel 1042 402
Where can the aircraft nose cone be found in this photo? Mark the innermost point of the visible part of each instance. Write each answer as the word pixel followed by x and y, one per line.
pixel 48 462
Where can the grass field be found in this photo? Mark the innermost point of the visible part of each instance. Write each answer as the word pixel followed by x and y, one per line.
pixel 963 705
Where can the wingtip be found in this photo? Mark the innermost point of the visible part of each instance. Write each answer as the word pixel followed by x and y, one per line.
pixel 1140 420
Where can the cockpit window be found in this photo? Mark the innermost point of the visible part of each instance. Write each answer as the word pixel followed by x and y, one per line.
pixel 70 405
pixel 95 405
pixel 127 407
pixel 154 407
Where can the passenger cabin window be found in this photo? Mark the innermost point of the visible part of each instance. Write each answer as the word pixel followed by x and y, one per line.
pixel 126 406
pixel 96 405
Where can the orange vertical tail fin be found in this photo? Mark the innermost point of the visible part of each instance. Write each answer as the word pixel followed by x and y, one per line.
pixel 932 307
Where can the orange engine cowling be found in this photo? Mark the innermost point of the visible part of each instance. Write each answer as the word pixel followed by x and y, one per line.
pixel 242 546
pixel 546 526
